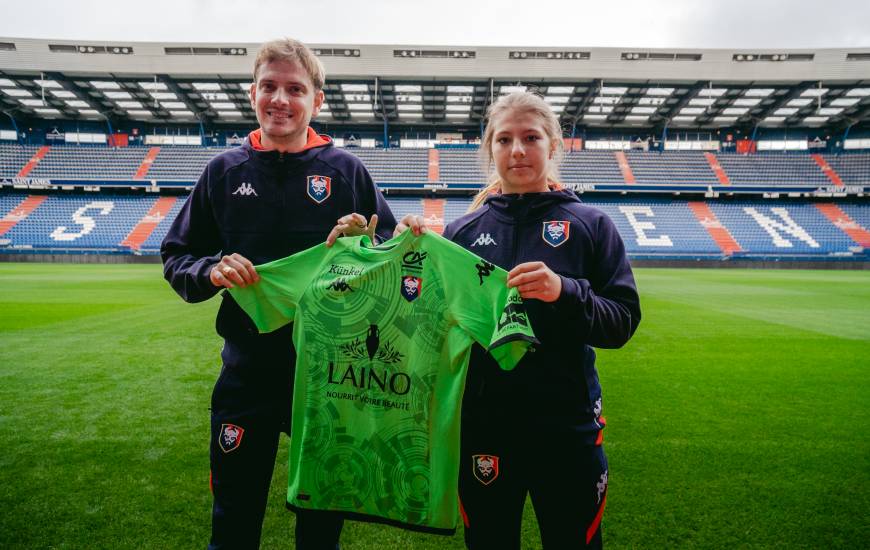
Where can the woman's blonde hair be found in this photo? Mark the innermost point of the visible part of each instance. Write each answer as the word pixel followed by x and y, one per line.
pixel 518 102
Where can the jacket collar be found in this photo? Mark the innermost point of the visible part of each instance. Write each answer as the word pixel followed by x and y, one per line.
pixel 314 146
pixel 528 206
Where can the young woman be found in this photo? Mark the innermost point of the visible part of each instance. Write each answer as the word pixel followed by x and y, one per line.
pixel 537 430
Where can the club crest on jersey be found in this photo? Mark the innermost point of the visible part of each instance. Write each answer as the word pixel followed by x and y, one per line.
pixel 556 233
pixel 230 437
pixel 485 468
pixel 411 287
pixel 319 188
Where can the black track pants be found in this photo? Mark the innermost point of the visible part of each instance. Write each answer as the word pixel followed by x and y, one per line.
pixel 565 475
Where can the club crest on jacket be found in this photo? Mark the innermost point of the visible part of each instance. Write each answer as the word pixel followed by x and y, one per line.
pixel 556 233
pixel 319 188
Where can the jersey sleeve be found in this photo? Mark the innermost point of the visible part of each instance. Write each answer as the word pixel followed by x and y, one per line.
pixel 271 303
pixel 484 307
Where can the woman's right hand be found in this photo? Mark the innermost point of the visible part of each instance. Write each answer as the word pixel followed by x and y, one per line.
pixel 413 221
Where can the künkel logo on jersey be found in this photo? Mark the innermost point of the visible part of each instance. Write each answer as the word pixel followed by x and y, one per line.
pixel 411 287
pixel 319 188
pixel 485 468
pixel 230 437
pixel 556 233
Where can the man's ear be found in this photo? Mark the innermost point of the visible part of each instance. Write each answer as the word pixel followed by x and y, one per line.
pixel 319 98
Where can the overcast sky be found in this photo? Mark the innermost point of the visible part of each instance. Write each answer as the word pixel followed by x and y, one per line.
pixel 568 23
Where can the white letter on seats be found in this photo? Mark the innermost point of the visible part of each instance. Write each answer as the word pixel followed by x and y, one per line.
pixel 87 223
pixel 770 225
pixel 631 212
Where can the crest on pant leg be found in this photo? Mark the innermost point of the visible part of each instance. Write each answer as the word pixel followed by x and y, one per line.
pixel 485 468
pixel 230 437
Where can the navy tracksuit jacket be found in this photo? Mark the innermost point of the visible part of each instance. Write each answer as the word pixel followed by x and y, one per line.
pixel 264 205
pixel 536 430
pixel 599 306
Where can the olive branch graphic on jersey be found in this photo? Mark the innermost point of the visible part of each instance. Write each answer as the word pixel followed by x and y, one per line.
pixel 372 349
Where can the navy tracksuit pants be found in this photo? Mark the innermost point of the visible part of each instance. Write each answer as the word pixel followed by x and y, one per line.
pixel 250 410
pixel 564 473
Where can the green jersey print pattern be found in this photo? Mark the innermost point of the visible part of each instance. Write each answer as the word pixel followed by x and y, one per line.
pixel 383 335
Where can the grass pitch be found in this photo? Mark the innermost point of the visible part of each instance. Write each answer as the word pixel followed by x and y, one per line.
pixel 737 416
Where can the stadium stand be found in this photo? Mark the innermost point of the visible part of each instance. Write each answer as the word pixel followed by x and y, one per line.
pixel 670 168
pixel 395 166
pixel 461 166
pixel 591 167
pixel 181 162
pixel 650 227
pixel 775 169
pixel 13 159
pixel 410 167
pixel 852 168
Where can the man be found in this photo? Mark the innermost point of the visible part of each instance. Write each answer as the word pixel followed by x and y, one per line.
pixel 279 193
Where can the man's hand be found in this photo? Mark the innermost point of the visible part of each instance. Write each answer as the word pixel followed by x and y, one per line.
pixel 351 226
pixel 416 223
pixel 233 270
pixel 535 280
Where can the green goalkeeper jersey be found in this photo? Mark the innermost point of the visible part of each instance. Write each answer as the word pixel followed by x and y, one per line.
pixel 383 336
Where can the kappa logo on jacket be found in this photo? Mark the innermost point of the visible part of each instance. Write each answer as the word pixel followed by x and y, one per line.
pixel 555 233
pixel 319 188
pixel 485 239
pixel 245 189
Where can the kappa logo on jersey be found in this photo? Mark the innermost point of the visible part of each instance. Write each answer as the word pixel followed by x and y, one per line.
pixel 485 239
pixel 484 269
pixel 339 285
pixel 485 468
pixel 319 188
pixel 411 287
pixel 230 437
pixel 556 233
pixel 245 190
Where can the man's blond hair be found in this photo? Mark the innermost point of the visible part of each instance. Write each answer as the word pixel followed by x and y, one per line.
pixel 288 49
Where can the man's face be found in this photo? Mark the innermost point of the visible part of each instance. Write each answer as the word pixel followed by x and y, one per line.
pixel 285 100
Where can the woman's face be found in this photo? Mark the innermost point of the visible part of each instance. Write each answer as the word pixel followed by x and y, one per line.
pixel 521 152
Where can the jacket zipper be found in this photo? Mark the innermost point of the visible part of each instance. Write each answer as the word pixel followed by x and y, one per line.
pixel 515 244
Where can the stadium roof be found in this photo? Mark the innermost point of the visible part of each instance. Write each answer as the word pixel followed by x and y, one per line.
pixel 594 87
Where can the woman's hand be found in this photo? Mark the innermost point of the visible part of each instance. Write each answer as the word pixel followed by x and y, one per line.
pixel 535 280
pixel 415 222
pixel 351 226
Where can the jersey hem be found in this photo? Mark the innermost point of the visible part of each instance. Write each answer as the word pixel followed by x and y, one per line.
pixel 357 516
pixel 512 338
